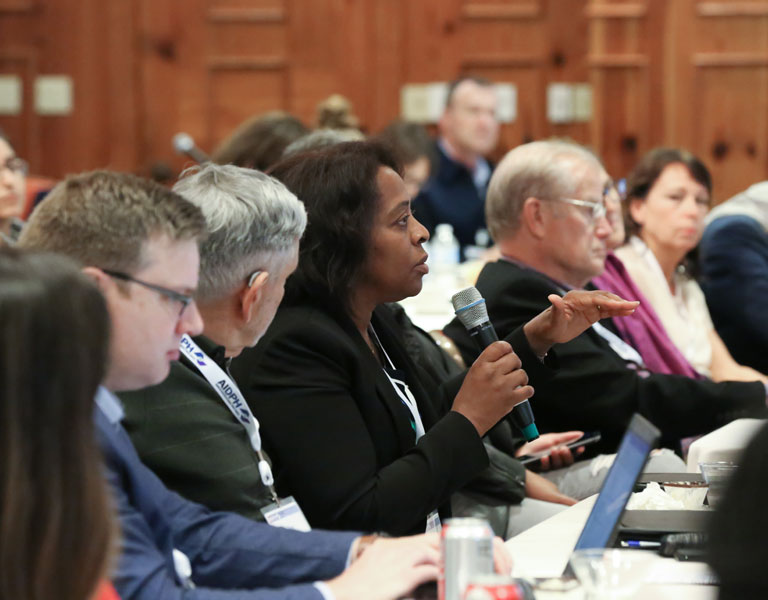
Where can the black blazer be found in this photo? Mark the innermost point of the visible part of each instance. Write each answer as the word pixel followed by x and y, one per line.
pixel 593 389
pixel 339 436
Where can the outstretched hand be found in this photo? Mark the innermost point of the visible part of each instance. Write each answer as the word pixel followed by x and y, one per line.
pixel 571 315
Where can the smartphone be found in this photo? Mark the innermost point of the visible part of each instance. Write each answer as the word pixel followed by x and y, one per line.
pixel 588 438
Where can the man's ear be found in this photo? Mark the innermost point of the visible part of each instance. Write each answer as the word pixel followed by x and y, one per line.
pixel 249 297
pixel 98 276
pixel 534 218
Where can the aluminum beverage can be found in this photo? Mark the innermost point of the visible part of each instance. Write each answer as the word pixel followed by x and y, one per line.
pixel 467 552
pixel 493 587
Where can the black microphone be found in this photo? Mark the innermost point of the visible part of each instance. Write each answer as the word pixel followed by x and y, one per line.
pixel 184 144
pixel 471 310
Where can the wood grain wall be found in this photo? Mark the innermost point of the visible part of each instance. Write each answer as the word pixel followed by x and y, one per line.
pixel 692 73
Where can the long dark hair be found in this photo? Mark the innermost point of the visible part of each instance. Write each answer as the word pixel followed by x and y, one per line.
pixel 339 189
pixel 55 517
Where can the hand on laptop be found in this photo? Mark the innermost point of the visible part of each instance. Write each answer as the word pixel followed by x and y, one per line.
pixel 558 454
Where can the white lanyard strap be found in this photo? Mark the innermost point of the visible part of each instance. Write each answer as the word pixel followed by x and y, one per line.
pixel 233 398
pixel 618 345
pixel 406 396
pixel 402 390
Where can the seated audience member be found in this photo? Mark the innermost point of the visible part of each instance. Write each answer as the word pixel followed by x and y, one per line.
pixel 413 149
pixel 733 256
pixel 259 142
pixel 739 527
pixel 643 330
pixel 668 195
pixel 546 213
pixel 469 131
pixel 13 171
pixel 55 516
pixel 321 139
pixel 183 429
pixel 358 433
pixel 336 112
pixel 142 252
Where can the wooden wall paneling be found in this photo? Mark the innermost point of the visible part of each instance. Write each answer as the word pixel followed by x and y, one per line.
pixel 325 45
pixel 22 129
pixel 731 110
pixel 166 37
pixel 625 59
pixel 246 64
pixel 386 74
pixel 19 56
pixel 723 67
pixel 508 42
pixel 74 42
pixel 565 61
pixel 433 48
pixel 123 81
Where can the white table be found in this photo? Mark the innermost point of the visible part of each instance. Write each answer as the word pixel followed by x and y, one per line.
pixel 543 551
pixel 726 443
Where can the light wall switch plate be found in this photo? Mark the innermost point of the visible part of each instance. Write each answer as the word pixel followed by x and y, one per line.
pixel 507 95
pixel 560 103
pixel 582 102
pixel 423 102
pixel 10 95
pixel 53 95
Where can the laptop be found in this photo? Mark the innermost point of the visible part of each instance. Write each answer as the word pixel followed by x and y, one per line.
pixel 602 526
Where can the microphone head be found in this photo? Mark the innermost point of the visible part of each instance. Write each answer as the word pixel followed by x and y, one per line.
pixel 183 143
pixel 470 307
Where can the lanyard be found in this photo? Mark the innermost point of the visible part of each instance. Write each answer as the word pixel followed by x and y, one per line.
pixel 233 398
pixel 619 346
pixel 402 390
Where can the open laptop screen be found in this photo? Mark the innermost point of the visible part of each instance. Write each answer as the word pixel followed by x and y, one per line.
pixel 601 526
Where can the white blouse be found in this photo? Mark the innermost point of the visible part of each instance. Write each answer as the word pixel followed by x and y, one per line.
pixel 683 313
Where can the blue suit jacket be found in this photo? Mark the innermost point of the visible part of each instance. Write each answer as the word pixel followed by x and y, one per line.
pixel 734 267
pixel 231 556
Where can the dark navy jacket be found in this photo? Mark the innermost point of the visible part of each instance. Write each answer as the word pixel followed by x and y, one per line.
pixel 450 196
pixel 734 268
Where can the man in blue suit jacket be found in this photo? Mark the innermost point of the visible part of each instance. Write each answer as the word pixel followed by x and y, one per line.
pixel 139 242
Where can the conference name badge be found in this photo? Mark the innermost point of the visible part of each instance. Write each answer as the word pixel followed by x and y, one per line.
pixel 286 513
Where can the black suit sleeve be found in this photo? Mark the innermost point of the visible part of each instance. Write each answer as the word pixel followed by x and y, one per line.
pixel 335 443
pixel 592 387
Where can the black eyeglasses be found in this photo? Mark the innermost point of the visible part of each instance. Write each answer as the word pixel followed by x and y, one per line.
pixel 184 299
pixel 15 165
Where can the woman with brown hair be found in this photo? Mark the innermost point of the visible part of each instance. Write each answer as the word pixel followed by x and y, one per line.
pixel 668 196
pixel 56 527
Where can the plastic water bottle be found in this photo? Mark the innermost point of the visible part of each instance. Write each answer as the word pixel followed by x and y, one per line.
pixel 444 249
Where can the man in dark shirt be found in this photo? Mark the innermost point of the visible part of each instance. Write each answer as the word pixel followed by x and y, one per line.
pixel 183 429
pixel 469 130
pixel 546 212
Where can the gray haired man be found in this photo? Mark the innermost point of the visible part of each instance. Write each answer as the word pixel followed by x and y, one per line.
pixel 194 430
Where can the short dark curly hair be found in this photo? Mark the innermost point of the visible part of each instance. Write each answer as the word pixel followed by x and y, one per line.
pixel 339 189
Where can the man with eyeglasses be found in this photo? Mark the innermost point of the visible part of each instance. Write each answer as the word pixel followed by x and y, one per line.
pixel 546 211
pixel 195 432
pixel 139 243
